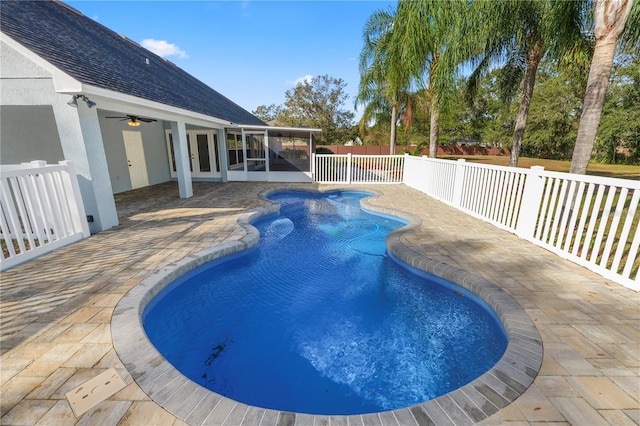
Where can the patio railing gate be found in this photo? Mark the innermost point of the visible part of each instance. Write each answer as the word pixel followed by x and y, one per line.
pixel 348 168
pixel 590 220
pixel 41 210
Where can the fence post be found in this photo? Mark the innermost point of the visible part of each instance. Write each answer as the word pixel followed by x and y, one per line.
pixel 313 166
pixel 458 183
pixel 530 206
pixel 349 168
pixel 78 214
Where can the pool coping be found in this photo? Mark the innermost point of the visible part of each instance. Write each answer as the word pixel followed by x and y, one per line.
pixel 510 377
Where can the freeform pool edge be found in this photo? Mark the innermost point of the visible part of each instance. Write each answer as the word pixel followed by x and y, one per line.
pixel 164 384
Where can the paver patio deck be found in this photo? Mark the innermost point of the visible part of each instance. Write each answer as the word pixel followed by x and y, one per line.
pixel 56 310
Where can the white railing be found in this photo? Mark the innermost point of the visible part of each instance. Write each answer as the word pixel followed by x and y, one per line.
pixel 590 220
pixel 330 168
pixel 41 210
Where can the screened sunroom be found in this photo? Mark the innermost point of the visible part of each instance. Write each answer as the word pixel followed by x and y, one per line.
pixel 272 154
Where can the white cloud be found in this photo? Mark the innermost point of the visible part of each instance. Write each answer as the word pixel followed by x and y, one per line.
pixel 302 79
pixel 164 49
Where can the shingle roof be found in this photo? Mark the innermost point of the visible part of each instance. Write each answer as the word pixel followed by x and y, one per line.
pixel 97 56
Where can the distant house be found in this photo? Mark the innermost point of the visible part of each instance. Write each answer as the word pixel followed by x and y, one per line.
pixel 72 89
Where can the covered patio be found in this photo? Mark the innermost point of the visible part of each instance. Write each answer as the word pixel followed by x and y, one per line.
pixel 57 311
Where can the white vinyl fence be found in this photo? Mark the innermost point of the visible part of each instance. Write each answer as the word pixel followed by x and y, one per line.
pixel 41 210
pixel 590 220
pixel 330 168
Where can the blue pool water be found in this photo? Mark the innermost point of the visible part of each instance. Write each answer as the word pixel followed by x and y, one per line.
pixel 319 319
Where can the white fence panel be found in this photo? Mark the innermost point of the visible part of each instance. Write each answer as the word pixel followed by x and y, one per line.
pixel 365 169
pixel 41 210
pixel 590 220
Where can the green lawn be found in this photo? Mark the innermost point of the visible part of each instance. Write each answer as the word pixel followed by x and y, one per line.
pixel 608 170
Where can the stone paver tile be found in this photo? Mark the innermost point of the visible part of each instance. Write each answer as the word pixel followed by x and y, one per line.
pixel 147 413
pixel 103 317
pixel 617 417
pixel 602 393
pixel 578 411
pixel 82 315
pixel 634 415
pixel 88 356
pixel 613 367
pixel 31 350
pixel 51 333
pixel 52 383
pixel 630 384
pixel 496 420
pixel 11 366
pixel 27 412
pixel 178 422
pixel 570 360
pixel 608 333
pixel 220 412
pixel 585 347
pixel 76 333
pixel 550 367
pixel 52 359
pixel 536 407
pixel 101 334
pixel 106 413
pixel 109 300
pixel 555 386
pixel 15 389
pixel 60 414
pixel 131 392
pixel 628 355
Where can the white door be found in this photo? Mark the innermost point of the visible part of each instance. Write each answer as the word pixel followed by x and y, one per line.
pixel 203 153
pixel 135 159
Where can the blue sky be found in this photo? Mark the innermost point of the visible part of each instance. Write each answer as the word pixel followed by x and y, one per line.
pixel 250 51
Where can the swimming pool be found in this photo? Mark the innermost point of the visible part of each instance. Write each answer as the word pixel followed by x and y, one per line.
pixel 319 319
pixel 194 404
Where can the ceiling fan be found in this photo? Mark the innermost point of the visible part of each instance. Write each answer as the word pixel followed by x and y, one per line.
pixel 134 120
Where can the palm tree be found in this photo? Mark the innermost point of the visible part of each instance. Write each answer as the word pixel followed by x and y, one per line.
pixel 384 81
pixel 610 18
pixel 519 33
pixel 427 36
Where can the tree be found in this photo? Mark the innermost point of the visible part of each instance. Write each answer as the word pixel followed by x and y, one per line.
pixel 268 113
pixel 553 117
pixel 519 33
pixel 384 80
pixel 319 104
pixel 427 36
pixel 610 17
pixel 619 131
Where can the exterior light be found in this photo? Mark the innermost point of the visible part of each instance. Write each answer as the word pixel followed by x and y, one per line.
pixel 74 101
pixel 133 122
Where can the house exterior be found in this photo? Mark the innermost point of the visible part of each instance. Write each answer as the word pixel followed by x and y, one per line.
pixel 72 89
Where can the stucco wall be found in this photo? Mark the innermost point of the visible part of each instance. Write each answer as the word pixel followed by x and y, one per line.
pixel 29 133
pixel 155 151
pixel 28 128
pixel 16 65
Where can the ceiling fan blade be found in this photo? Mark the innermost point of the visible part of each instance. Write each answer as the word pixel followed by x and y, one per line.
pixel 146 120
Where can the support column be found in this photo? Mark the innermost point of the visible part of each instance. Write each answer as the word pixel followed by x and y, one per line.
pixel 181 153
pixel 223 154
pixel 81 140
